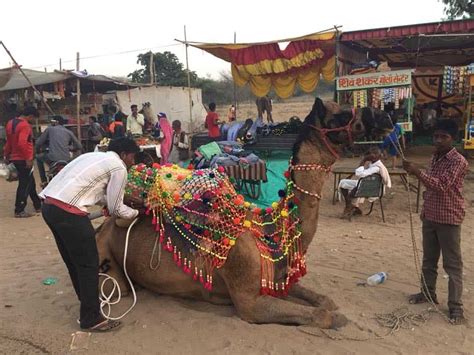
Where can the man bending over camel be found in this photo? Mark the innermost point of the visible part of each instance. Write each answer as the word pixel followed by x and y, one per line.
pixel 369 165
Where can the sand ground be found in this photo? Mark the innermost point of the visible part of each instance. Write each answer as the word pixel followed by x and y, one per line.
pixel 35 318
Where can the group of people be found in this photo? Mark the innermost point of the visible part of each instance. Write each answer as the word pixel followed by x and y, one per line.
pixel 174 141
pixel 213 122
pixel 100 178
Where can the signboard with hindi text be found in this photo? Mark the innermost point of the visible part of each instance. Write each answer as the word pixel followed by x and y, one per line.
pixel 374 80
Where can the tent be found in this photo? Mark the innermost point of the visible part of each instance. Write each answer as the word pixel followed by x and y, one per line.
pixel 174 101
pixel 265 65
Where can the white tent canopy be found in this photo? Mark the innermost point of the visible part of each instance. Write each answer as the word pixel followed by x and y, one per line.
pixel 174 101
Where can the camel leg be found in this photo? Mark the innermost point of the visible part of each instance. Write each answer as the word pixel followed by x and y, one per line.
pixel 275 310
pixel 242 276
pixel 313 298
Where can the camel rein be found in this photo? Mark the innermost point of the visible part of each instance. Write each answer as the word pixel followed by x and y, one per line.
pixel 312 167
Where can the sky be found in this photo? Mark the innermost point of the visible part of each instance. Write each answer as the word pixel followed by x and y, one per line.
pixel 113 33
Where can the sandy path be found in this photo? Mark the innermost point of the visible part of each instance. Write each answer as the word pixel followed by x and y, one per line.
pixel 38 318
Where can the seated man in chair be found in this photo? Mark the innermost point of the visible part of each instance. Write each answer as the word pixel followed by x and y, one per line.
pixel 369 165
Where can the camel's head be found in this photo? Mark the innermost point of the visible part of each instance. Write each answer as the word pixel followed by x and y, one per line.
pixel 342 127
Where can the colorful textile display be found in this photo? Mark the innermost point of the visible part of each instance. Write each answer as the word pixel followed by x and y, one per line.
pixel 360 98
pixel 455 80
pixel 265 65
pixel 199 217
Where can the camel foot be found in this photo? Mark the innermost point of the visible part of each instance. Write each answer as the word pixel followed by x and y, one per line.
pixel 338 320
pixel 329 320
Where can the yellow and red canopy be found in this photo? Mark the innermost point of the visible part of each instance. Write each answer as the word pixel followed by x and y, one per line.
pixel 265 65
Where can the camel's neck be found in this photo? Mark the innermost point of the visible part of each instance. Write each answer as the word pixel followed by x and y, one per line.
pixel 311 181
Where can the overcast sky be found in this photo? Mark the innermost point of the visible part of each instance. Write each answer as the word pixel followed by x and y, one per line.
pixel 38 33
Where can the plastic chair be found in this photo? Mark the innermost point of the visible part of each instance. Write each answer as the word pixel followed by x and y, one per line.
pixel 371 187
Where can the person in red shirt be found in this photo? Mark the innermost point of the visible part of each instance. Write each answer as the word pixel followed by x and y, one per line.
pixel 442 215
pixel 19 150
pixel 212 123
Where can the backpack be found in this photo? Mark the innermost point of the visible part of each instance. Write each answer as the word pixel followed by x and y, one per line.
pixel 119 131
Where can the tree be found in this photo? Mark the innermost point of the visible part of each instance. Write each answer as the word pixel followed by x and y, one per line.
pixel 169 71
pixel 458 8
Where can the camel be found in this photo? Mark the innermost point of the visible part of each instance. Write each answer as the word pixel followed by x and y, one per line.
pixel 238 281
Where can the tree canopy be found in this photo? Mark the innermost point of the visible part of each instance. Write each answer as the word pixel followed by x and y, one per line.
pixel 458 9
pixel 168 70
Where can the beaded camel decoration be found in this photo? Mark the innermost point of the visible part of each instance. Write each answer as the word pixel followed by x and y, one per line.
pixel 207 216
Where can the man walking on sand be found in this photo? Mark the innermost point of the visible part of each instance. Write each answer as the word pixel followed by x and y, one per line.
pixel 19 150
pixel 442 215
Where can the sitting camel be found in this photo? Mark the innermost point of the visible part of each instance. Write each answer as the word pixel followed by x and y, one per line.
pixel 238 281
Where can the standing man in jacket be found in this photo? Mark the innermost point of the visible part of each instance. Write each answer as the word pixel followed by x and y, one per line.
pixel 59 141
pixel 442 215
pixel 19 150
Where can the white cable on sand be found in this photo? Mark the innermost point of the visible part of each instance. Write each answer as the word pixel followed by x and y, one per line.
pixel 106 300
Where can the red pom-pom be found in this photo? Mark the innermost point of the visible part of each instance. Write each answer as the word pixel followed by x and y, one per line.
pixel 287 174
pixel 220 169
pixel 236 220
pixel 268 210
pixel 156 166
pixel 190 167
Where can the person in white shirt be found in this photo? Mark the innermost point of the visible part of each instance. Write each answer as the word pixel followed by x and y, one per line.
pixel 90 179
pixel 180 148
pixel 135 122
pixel 369 165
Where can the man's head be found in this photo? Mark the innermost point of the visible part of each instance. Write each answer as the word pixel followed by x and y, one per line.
pixel 29 113
pixel 126 148
pixel 134 109
pixel 92 119
pixel 444 135
pixel 212 106
pixel 374 154
pixel 176 125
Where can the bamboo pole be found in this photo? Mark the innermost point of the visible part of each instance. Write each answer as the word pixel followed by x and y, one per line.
pixel 191 123
pixel 78 100
pixel 152 71
pixel 233 81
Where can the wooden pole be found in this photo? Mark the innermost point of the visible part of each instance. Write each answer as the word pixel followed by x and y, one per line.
pixel 235 88
pixel 191 123
pixel 27 79
pixel 152 71
pixel 78 101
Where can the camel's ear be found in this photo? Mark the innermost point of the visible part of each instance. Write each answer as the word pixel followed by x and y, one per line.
pixel 317 112
pixel 321 110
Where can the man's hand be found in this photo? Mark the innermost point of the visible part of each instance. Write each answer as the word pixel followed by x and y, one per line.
pixel 29 164
pixel 133 201
pixel 6 160
pixel 411 168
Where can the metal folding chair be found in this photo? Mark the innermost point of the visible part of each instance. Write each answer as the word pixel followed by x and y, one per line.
pixel 371 187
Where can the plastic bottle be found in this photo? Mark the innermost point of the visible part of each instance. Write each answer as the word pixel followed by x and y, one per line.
pixel 377 279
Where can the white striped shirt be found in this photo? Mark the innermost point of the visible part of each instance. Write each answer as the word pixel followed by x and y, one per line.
pixel 92 179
